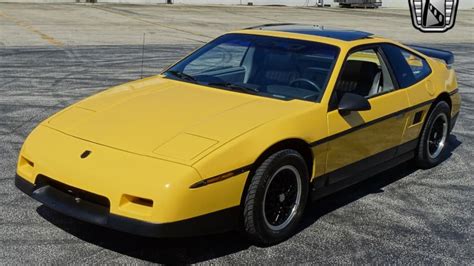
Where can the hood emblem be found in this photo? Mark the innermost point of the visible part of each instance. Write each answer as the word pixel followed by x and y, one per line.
pixel 85 154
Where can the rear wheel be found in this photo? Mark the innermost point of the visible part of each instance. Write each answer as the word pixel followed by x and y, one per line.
pixel 432 143
pixel 276 197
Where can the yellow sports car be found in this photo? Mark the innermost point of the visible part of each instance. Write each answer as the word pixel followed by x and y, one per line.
pixel 243 132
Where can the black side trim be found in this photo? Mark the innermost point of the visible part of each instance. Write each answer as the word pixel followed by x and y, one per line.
pixel 380 119
pixel 453 92
pixel 216 222
pixel 408 146
pixel 312 144
pixel 324 140
pixel 221 177
pixel 363 169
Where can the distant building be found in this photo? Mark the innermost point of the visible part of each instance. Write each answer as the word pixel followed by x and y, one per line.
pixel 463 4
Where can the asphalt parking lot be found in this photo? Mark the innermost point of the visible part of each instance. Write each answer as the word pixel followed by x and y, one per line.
pixel 52 55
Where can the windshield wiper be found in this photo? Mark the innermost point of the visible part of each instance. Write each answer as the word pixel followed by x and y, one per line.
pixel 234 87
pixel 181 75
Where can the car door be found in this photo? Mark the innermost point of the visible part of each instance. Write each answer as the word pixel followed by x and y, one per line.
pixel 361 139
pixel 414 76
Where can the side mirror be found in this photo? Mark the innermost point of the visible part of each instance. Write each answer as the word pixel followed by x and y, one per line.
pixel 352 102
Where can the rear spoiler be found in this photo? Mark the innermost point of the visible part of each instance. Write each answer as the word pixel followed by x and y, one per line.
pixel 446 56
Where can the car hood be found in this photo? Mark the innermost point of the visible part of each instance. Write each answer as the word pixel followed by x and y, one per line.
pixel 168 119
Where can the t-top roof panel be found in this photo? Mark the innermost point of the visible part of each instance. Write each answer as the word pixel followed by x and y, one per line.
pixel 340 34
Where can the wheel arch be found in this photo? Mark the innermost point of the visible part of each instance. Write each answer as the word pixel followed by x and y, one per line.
pixel 296 144
pixel 443 96
pixel 421 159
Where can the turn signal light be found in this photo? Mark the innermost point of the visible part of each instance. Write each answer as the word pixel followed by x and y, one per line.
pixel 137 200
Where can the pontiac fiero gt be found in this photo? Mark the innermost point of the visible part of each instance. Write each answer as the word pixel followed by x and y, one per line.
pixel 243 132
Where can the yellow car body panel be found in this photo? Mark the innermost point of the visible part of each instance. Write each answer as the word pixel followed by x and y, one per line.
pixel 122 174
pixel 210 132
pixel 370 140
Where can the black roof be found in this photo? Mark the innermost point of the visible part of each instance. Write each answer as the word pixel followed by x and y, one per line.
pixel 340 34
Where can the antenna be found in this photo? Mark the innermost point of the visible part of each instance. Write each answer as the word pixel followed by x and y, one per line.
pixel 143 55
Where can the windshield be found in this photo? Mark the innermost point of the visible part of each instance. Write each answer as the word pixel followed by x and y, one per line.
pixel 268 66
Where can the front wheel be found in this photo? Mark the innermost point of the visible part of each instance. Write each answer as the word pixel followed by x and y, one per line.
pixel 433 138
pixel 276 197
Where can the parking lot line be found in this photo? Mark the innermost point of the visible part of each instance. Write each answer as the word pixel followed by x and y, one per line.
pixel 30 28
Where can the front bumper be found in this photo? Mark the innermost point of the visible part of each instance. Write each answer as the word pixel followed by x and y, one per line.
pixel 131 187
pixel 96 213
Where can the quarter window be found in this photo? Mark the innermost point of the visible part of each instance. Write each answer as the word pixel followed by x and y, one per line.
pixel 408 68
pixel 418 66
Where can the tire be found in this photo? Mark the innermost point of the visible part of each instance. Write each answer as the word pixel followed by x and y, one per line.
pixel 433 138
pixel 280 184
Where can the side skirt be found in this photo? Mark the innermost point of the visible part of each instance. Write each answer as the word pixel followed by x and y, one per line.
pixel 356 172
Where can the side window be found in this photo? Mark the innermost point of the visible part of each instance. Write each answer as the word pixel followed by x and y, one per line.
pixel 364 73
pixel 418 65
pixel 408 68
pixel 225 55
